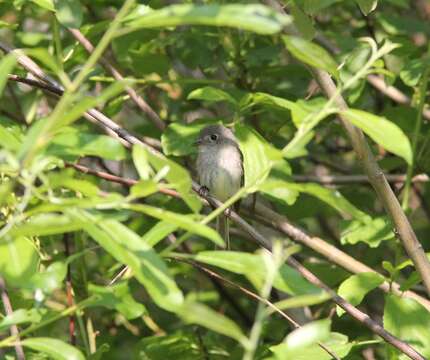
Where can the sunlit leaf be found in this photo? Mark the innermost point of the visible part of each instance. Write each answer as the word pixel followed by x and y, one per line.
pixel 409 321
pixel 382 131
pixel 56 349
pixel 355 288
pixel 311 54
pixel 253 17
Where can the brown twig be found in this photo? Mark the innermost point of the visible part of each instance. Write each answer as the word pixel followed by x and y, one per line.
pixel 354 179
pixel 377 179
pixel 250 294
pixel 270 217
pixel 139 101
pixel 8 310
pixel 69 291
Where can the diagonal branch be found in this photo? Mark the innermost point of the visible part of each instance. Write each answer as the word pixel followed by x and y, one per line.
pixel 140 102
pixel 376 176
pixel 377 179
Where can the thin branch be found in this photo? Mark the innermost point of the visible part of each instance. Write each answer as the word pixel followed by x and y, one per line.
pixel 69 290
pixel 375 80
pixel 139 101
pixel 377 179
pixel 271 218
pixel 8 310
pixel 354 179
pixel 250 294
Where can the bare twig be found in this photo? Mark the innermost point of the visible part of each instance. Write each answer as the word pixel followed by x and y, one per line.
pixel 250 294
pixel 69 291
pixel 270 217
pixel 139 101
pixel 8 310
pixel 354 179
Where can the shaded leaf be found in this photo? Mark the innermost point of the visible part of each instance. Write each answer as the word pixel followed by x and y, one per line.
pixel 69 13
pixel 203 315
pixel 7 64
pixel 117 297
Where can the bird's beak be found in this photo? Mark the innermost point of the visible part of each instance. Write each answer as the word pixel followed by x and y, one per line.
pixel 197 142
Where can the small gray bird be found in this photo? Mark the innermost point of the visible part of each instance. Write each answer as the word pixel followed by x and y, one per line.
pixel 219 166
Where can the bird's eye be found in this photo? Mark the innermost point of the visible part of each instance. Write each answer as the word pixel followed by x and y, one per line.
pixel 214 137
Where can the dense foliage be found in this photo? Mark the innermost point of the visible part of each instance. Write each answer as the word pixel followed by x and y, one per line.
pixel 81 198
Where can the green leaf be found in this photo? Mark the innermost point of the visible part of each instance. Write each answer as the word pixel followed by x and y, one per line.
pixel 412 71
pixel 158 232
pixel 46 224
pixel 71 143
pixel 258 156
pixel 331 197
pixel 279 191
pixel 45 4
pixel 254 268
pixel 56 349
pixel 181 344
pixel 408 320
pixel 117 297
pixel 141 162
pixel 177 177
pixel 355 288
pixel 371 232
pixel 6 66
pixel 211 94
pixel 51 279
pixel 128 248
pixel 382 131
pixel 18 259
pixel 178 138
pixel 69 13
pixel 308 335
pixel 202 315
pixel 8 139
pixel 302 22
pixel 21 316
pixel 256 18
pixel 337 343
pixel 302 300
pixel 311 54
pixel 367 6
pixel 185 222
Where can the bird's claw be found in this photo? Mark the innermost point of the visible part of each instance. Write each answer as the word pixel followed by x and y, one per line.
pixel 203 191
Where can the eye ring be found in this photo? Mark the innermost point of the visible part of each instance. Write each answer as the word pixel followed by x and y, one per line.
pixel 214 137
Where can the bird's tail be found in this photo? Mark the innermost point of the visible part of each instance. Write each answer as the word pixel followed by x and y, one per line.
pixel 223 229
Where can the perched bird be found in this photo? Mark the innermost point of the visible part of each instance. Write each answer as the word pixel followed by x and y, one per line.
pixel 219 167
